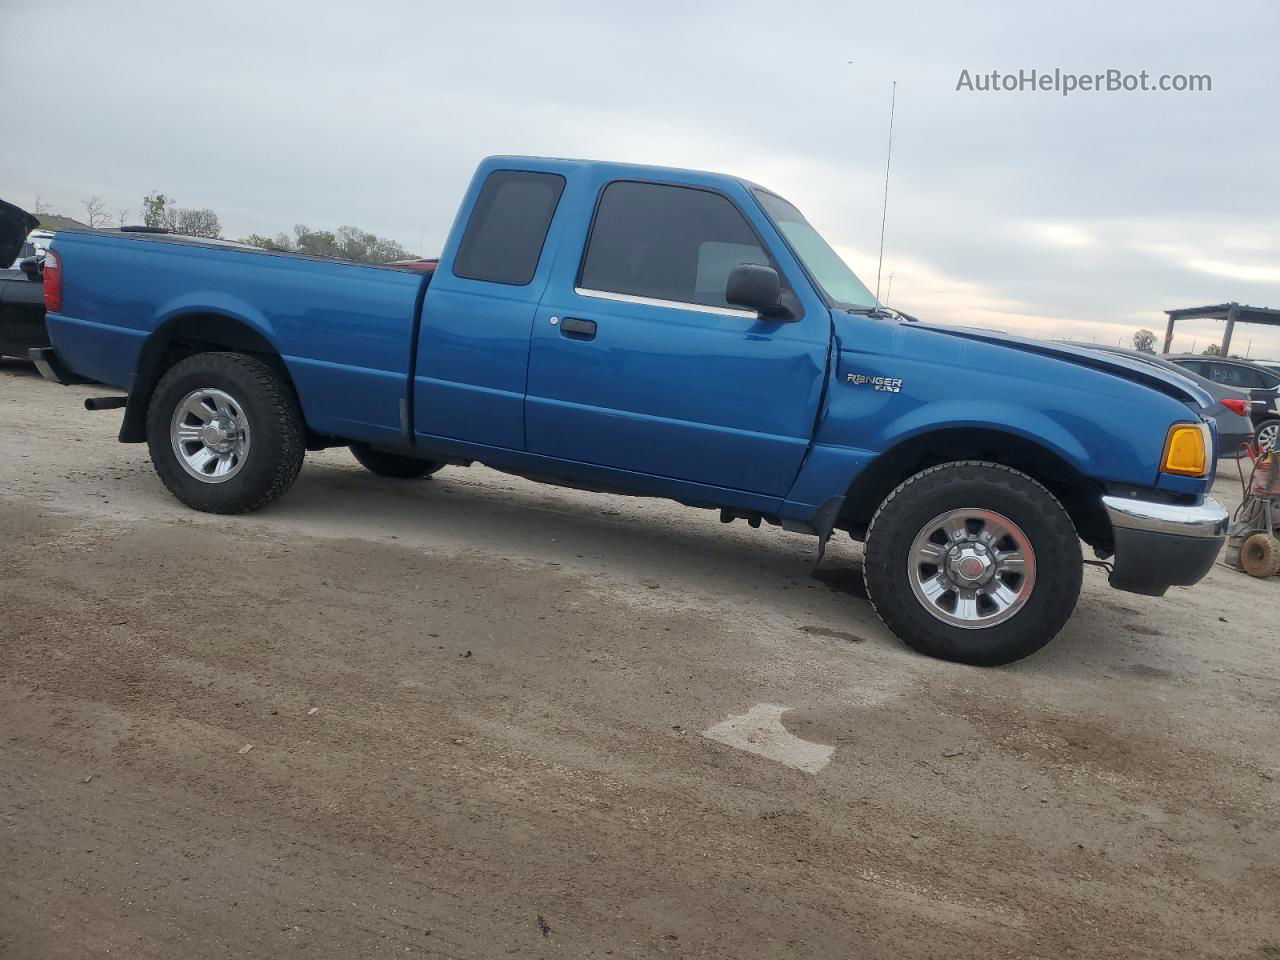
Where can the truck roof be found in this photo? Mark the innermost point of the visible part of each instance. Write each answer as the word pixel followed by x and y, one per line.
pixel 614 169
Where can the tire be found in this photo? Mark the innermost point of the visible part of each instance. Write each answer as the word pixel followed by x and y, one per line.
pixel 978 520
pixel 258 435
pixel 1264 438
pixel 1260 555
pixel 393 464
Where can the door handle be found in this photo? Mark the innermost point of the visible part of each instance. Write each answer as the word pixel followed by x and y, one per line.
pixel 578 329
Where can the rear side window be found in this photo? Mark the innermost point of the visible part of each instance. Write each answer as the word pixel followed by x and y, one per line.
pixel 668 243
pixel 508 226
pixel 1230 375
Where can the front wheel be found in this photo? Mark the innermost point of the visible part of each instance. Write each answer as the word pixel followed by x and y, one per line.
pixel 973 562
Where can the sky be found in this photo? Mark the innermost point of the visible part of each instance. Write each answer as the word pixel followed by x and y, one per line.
pixel 1081 216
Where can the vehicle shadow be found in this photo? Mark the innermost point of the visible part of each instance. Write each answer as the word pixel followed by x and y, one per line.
pixel 651 543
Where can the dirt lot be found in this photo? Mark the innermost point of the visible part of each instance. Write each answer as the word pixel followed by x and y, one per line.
pixel 476 709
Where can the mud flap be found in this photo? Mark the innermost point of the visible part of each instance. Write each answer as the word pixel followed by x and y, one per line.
pixel 824 522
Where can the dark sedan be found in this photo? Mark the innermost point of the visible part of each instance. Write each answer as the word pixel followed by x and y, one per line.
pixel 1260 381
pixel 1230 409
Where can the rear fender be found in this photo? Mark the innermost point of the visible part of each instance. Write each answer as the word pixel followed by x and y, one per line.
pixel 192 324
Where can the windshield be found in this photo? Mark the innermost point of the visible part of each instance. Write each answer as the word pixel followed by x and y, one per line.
pixel 840 284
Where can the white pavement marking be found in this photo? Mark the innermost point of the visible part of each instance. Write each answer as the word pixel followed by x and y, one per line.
pixel 760 731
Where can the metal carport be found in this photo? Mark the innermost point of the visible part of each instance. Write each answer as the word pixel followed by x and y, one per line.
pixel 1233 313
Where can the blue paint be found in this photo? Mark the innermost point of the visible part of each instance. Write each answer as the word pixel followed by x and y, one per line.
pixel 717 409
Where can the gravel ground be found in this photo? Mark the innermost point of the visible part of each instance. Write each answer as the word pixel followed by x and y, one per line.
pixel 465 717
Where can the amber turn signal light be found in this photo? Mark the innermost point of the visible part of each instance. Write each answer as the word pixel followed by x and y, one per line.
pixel 1186 450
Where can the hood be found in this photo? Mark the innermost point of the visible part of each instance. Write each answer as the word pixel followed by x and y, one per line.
pixel 1167 382
pixel 15 224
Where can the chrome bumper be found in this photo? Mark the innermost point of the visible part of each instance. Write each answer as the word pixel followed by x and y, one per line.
pixel 1209 519
pixel 1162 545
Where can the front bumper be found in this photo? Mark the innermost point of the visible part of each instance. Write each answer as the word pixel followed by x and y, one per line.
pixel 1163 545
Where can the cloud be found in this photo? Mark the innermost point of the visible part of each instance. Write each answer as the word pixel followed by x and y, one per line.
pixel 1069 236
pixel 1029 211
pixel 1249 272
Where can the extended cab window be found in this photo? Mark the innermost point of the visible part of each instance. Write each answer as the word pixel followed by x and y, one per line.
pixel 508 226
pixel 668 243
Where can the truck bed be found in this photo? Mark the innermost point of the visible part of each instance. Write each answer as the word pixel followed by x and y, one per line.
pixel 346 329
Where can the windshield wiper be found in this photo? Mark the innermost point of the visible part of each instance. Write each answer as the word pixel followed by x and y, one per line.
pixel 887 313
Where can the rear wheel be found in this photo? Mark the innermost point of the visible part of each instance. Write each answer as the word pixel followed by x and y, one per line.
pixel 225 432
pixel 973 562
pixel 393 464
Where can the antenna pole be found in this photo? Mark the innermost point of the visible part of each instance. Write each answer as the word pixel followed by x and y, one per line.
pixel 884 211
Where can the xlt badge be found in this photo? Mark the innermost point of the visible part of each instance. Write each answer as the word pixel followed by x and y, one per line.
pixel 886 384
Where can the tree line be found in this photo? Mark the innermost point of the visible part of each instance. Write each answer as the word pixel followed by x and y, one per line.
pixel 345 243
pixel 1144 341
pixel 161 211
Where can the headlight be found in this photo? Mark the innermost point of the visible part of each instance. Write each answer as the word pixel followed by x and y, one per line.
pixel 1188 450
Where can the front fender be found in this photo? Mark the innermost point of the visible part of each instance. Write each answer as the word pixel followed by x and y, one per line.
pixel 1034 425
pixel 1108 429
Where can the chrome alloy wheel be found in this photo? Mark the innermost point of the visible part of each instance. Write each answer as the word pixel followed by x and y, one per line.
pixel 971 568
pixel 1267 436
pixel 210 435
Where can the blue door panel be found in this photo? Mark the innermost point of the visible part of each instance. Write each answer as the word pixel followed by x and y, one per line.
pixel 472 358
pixel 473 349
pixel 678 449
pixel 710 396
pixel 703 397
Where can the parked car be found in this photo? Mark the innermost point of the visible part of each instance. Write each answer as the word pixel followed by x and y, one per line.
pixel 1262 384
pixel 1230 409
pixel 1267 416
pixel 666 333
pixel 22 324
pixel 1229 371
pixel 35 245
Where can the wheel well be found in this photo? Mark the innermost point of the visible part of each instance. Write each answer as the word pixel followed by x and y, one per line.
pixel 1078 494
pixel 182 337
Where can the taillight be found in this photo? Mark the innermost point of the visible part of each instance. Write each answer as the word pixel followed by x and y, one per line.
pixel 1234 404
pixel 52 283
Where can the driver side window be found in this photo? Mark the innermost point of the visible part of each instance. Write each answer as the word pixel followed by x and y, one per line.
pixel 668 243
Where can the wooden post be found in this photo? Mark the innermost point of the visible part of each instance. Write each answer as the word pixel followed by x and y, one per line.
pixel 1168 335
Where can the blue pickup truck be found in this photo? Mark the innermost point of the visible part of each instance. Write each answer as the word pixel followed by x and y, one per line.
pixel 666 333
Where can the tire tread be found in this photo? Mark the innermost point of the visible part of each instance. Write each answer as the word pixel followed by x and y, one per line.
pixel 286 455
pixel 1061 596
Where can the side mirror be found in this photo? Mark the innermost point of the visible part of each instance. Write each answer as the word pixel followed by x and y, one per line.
pixel 33 267
pixel 756 287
